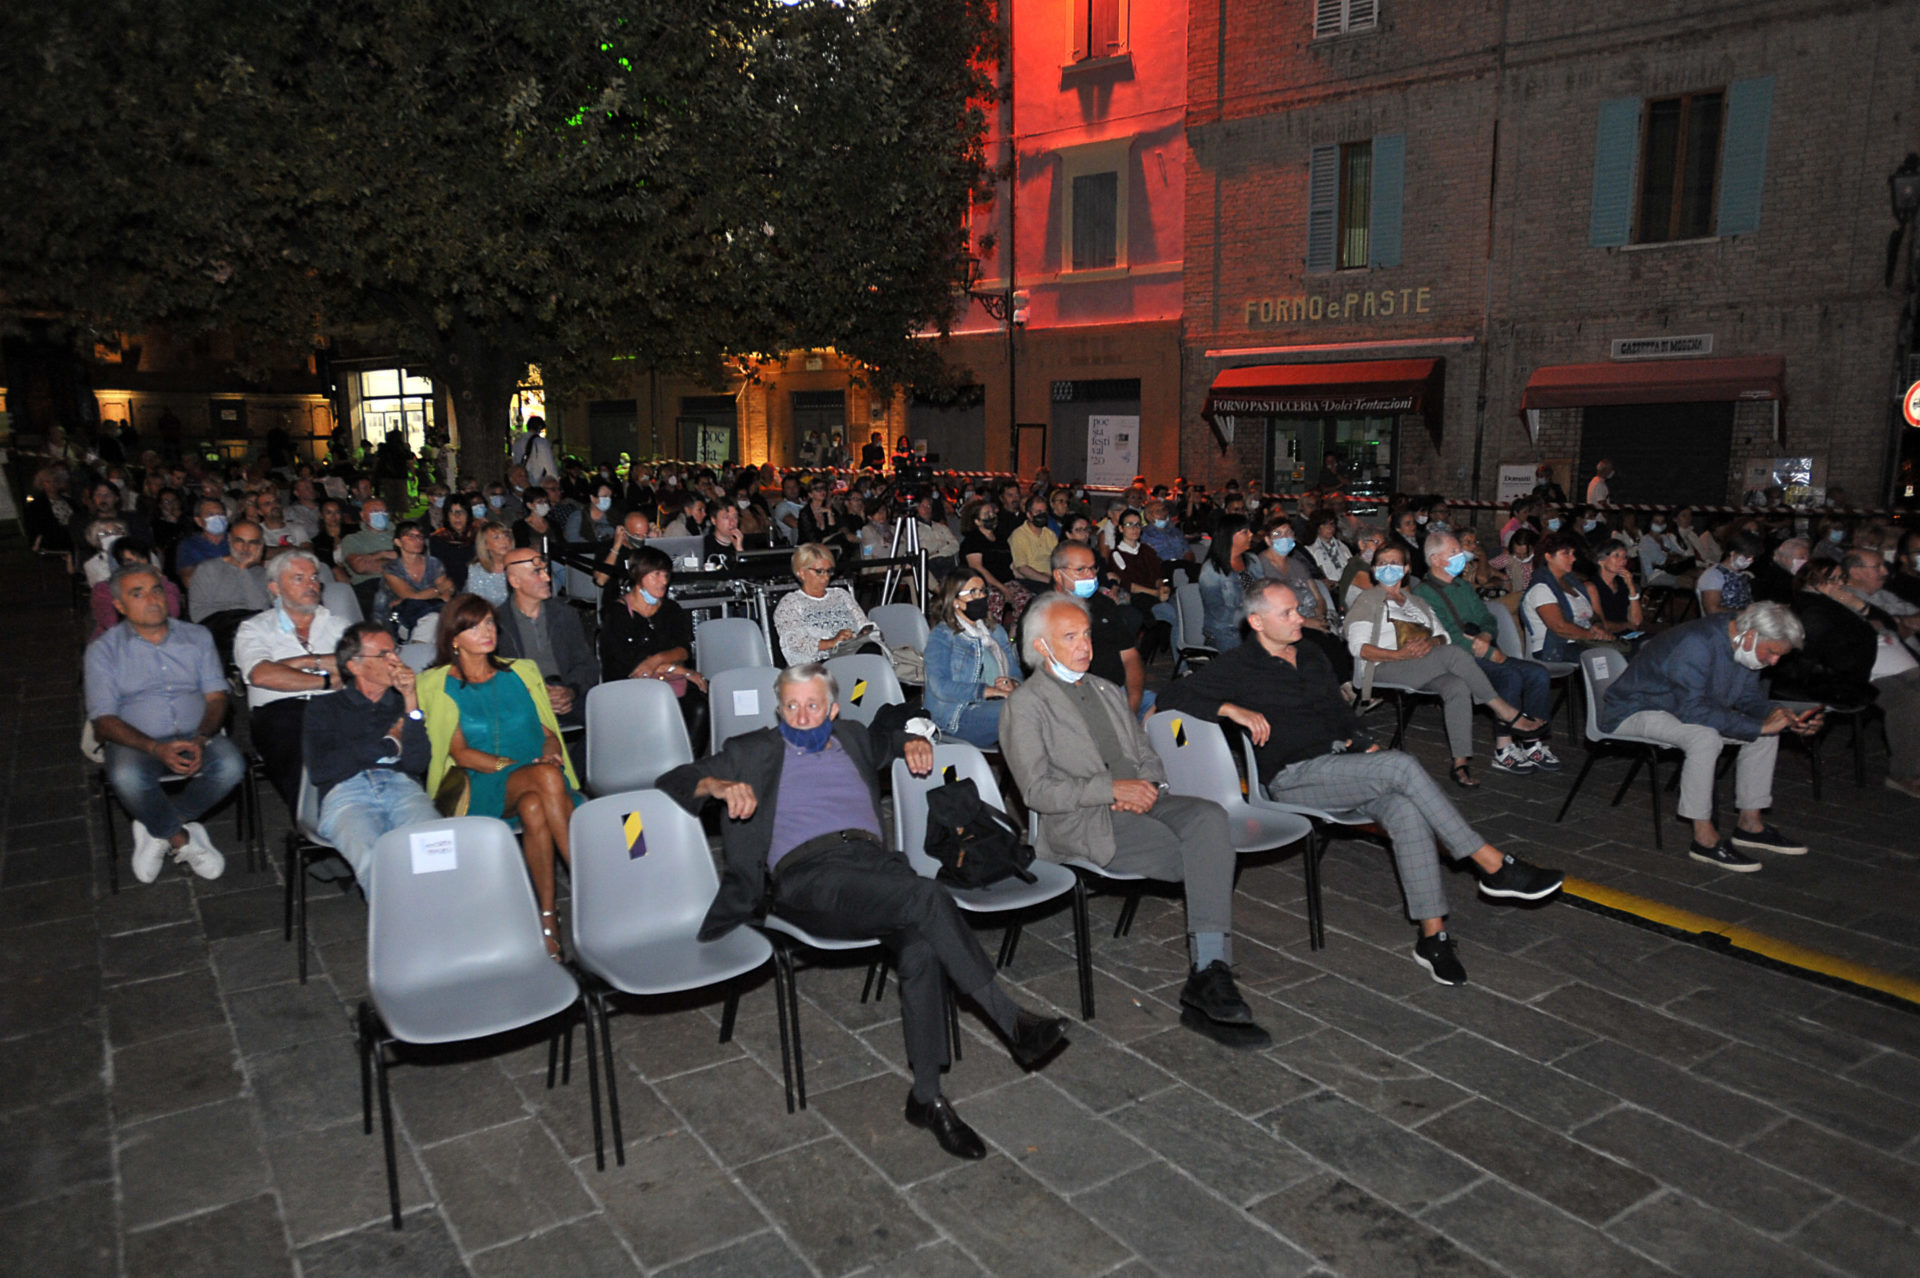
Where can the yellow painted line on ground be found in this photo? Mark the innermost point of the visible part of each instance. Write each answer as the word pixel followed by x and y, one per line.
pixel 1903 987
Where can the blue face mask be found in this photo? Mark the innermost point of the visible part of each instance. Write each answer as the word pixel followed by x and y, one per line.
pixel 1159 523
pixel 1553 525
pixel 1389 574
pixel 812 740
pixel 1085 589
pixel 377 520
pixel 1836 535
pixel 648 598
pixel 1457 563
pixel 479 512
pixel 1283 545
pixel 1060 672
pixel 217 525
pixel 603 502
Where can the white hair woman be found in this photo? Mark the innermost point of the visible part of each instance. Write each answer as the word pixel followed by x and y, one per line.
pixel 818 620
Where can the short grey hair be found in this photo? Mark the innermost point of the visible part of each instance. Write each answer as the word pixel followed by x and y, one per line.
pixel 1260 591
pixel 1436 541
pixel 805 672
pixel 1366 531
pixel 277 569
pixel 1772 622
pixel 1033 625
pixel 127 572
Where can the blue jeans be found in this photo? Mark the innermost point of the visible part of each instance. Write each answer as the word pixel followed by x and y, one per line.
pixel 365 806
pixel 136 777
pixel 980 724
pixel 1521 683
pixel 1164 611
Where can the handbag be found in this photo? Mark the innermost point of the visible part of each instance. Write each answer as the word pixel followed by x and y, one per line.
pixel 976 844
pixel 1406 633
pixel 454 794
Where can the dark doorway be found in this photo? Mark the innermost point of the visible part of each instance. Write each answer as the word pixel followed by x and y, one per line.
pixel 954 427
pixel 1663 454
pixel 613 427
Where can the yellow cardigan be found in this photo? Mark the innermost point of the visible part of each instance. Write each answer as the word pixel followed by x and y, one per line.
pixel 443 716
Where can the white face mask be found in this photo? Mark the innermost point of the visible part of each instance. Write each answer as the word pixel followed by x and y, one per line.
pixel 1795 565
pixel 1061 672
pixel 540 509
pixel 1740 563
pixel 1747 653
pixel 1657 528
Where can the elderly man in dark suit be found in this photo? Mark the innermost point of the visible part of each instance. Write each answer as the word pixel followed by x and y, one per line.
pixel 803 839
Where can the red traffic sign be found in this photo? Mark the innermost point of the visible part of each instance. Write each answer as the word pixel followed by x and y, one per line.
pixel 1910 404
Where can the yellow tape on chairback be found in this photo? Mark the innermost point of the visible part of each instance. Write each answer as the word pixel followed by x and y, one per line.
pixel 1745 938
pixel 1180 733
pixel 859 691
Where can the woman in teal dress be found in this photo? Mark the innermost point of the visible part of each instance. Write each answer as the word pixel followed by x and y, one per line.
pixel 492 718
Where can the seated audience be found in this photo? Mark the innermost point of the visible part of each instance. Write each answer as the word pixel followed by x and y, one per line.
pixel 971 666
pixel 984 553
pixel 367 553
pixel 413 586
pixel 819 621
pixel 226 591
pixel 802 835
pixel 549 634
pixel 1867 581
pixel 285 655
pixel 1726 587
pixel 127 550
pixel 1116 630
pixel 1083 762
pixel 1697 688
pixel 1224 577
pixel 1615 595
pixel 646 635
pixel 210 542
pixel 156 695
pixel 487 574
pixel 1557 612
pixel 452 542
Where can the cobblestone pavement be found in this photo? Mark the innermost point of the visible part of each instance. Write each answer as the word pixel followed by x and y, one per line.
pixel 1600 1100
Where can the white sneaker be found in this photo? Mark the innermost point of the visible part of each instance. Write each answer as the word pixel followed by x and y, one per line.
pixel 149 852
pixel 199 854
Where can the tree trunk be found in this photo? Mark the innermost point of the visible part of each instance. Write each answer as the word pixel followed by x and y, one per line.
pixel 480 375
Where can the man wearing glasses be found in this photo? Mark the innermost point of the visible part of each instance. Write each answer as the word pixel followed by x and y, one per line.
pixel 228 590
pixel 285 654
pixel 549 634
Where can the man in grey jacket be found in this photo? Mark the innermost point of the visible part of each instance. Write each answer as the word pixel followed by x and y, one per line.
pixel 1084 764
pixel 1696 688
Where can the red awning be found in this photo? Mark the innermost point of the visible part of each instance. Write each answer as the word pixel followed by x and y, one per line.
pixel 1675 381
pixel 1372 386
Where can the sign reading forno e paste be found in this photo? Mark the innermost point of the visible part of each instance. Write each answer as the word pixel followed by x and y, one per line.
pixel 1317 308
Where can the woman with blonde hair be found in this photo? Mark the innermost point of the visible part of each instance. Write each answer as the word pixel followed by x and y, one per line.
pixel 487 576
pixel 819 621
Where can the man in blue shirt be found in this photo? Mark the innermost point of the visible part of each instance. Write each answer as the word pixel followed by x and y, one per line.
pixel 156 694
pixel 1697 688
pixel 210 513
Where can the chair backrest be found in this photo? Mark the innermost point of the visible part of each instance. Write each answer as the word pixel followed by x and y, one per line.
pixel 340 600
pixel 740 700
pixel 1195 753
pixel 641 870
pixel 1507 632
pixel 1599 667
pixel 635 732
pixel 1180 578
pixel 1330 611
pixel 306 812
pixel 727 643
pixel 450 905
pixel 953 761
pixel 902 625
pixel 867 682
pixel 417 656
pixel 1192 614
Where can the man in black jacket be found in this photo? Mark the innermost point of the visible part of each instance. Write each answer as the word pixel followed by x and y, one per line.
pixel 803 839
pixel 532 625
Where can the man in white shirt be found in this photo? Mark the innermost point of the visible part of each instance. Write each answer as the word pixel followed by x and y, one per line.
pixel 1597 489
pixel 286 656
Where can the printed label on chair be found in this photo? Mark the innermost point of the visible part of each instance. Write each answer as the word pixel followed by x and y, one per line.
pixel 636 836
pixel 433 851
pixel 746 701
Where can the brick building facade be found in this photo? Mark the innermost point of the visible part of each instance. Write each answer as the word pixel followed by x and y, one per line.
pixel 1493 190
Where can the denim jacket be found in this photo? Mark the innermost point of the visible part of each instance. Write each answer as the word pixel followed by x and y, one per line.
pixel 958 672
pixel 1222 600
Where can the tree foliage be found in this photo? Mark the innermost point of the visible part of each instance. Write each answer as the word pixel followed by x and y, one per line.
pixel 492 182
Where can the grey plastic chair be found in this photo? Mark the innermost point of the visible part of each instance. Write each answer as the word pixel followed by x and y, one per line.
pixel 417 656
pixel 340 600
pixel 1559 673
pixel 962 761
pixel 902 625
pixel 728 643
pixel 867 682
pixel 1199 764
pixel 454 952
pixel 1129 886
pixel 785 934
pixel 1190 636
pixel 1599 668
pixel 635 733
pixel 642 882
pixel 1324 820
pixel 304 847
pixel 1405 697
pixel 739 700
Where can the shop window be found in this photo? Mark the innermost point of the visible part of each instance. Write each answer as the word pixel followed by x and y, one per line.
pixel 1337 17
pixel 1686 167
pixel 1355 197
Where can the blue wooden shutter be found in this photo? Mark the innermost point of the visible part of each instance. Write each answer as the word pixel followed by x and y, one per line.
pixel 1743 155
pixel 1616 154
pixel 1389 191
pixel 1323 207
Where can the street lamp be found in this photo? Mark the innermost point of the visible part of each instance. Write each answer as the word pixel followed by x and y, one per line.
pixel 1903 191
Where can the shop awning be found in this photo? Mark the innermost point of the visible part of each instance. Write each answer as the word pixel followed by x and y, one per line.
pixel 1370 386
pixel 1677 381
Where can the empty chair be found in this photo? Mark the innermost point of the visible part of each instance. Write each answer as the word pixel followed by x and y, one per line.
pixel 642 882
pixel 417 654
pixel 739 700
pixel 1599 668
pixel 901 626
pixel 1190 637
pixel 867 682
pixel 340 600
pixel 1199 763
pixel 635 732
pixel 454 952
pixel 1323 822
pixel 959 760
pixel 727 643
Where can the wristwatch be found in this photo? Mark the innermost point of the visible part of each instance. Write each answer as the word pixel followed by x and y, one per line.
pixel 415 715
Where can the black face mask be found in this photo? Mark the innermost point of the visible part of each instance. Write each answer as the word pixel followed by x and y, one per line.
pixel 1038 521
pixel 975 609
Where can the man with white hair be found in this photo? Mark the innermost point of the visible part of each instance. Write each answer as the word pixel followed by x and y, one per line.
pixel 1697 688
pixel 802 838
pixel 1085 765
pixel 285 654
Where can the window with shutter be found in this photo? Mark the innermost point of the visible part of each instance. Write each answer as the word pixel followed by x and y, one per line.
pixel 1743 162
pixel 1096 208
pixel 1679 167
pixel 1389 197
pixel 1356 204
pixel 1615 149
pixel 1336 17
pixel 1323 207
pixel 1099 29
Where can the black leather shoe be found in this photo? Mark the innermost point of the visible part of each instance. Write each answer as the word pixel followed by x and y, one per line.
pixel 955 1136
pixel 1211 992
pixel 1035 1037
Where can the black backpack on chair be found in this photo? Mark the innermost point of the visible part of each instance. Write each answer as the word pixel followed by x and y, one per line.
pixel 975 843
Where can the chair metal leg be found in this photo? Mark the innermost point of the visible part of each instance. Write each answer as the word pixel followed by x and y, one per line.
pixel 113 840
pixel 1812 747
pixel 1653 791
pixel 728 1011
pixel 780 977
pixel 1009 942
pixel 1403 715
pixel 1124 923
pixel 1859 749
pixel 1579 780
pixel 300 911
pixel 553 1055
pixel 366 1069
pixel 1083 948
pixel 386 1128
pixel 613 1097
pixel 953 1020
pixel 1639 761
pixel 876 983
pixel 286 889
pixel 586 1007
pixel 793 1014
pixel 1310 868
pixel 566 1058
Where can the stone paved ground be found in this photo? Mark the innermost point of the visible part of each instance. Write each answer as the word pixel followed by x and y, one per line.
pixel 1601 1100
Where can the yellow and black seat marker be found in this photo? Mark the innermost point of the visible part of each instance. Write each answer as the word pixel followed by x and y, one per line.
pixel 636 836
pixel 859 691
pixel 1817 966
pixel 949 773
pixel 1180 733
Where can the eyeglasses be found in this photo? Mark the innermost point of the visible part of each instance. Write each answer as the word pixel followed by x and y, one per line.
pixel 1131 523
pixel 827 571
pixel 244 541
pixel 539 566
pixel 970 594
